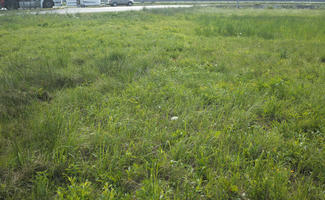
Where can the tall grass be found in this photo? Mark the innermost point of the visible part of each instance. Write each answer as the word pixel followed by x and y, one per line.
pixel 168 104
pixel 280 27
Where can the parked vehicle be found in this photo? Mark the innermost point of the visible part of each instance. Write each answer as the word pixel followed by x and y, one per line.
pixel 121 2
pixel 85 3
pixel 14 4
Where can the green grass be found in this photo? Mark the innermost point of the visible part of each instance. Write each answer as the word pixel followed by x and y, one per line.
pixel 87 102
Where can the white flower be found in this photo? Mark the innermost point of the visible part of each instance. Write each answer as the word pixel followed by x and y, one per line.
pixel 174 118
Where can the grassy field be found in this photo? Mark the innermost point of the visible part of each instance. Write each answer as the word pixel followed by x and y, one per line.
pixel 199 103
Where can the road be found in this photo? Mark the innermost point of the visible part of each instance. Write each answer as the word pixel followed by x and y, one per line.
pixel 108 9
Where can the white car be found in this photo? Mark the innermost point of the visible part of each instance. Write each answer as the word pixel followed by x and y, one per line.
pixel 85 3
pixel 121 2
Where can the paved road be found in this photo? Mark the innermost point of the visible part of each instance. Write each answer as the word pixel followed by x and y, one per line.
pixel 108 9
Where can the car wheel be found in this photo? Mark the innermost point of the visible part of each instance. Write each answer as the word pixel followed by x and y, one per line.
pixel 48 4
pixel 114 4
pixel 130 3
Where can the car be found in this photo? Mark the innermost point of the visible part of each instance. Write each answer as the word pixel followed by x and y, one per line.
pixel 121 2
pixel 85 3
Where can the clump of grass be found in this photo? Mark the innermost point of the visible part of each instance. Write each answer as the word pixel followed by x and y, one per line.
pixel 322 59
pixel 256 26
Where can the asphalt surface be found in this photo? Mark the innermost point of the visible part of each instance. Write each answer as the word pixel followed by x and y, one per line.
pixel 108 9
